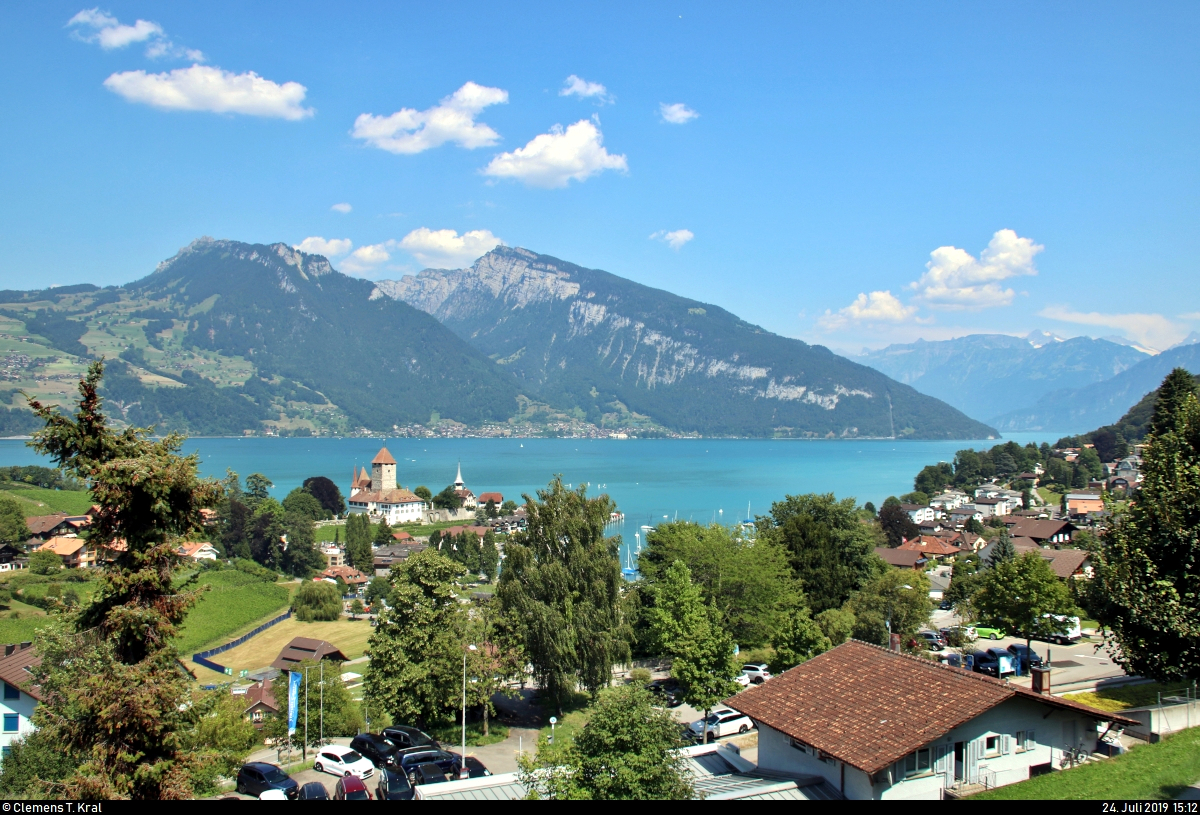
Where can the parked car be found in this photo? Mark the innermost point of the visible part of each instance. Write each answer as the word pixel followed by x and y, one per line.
pixel 337 760
pixel 408 759
pixel 377 748
pixel 1068 630
pixel 351 788
pixel 956 636
pixel 475 768
pixel 995 662
pixel 313 791
pixel 668 691
pixel 931 640
pixel 1027 655
pixel 989 632
pixel 723 722
pixel 393 786
pixel 404 736
pixel 758 673
pixel 945 605
pixel 273 795
pixel 742 680
pixel 257 777
pixel 427 773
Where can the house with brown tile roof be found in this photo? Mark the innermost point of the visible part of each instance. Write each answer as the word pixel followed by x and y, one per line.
pixel 74 552
pixel 1044 532
pixel 197 550
pixel 21 696
pixel 260 703
pixel 45 527
pixel 306 648
pixel 931 546
pixel 876 724
pixel 901 558
pixel 496 498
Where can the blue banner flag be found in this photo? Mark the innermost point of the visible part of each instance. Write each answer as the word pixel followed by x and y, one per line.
pixel 293 700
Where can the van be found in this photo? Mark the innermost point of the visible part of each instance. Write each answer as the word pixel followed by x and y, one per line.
pixel 1068 630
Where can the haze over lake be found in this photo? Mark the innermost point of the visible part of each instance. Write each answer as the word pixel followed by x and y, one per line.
pixel 703 480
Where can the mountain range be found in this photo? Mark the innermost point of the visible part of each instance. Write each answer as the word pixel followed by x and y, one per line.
pixel 586 340
pixel 229 337
pixel 993 375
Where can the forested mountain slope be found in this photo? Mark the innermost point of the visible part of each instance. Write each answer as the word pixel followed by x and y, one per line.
pixel 588 340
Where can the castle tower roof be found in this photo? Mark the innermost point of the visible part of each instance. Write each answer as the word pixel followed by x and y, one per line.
pixel 383 457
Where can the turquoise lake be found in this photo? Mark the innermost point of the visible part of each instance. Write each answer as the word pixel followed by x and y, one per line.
pixel 651 480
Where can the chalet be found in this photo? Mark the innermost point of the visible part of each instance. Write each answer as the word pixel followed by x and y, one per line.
pixel 74 552
pixel 381 497
pixel 902 558
pixel 260 703
pixel 876 724
pixel 929 527
pixel 21 696
pixel 302 649
pixel 1044 533
pixel 198 550
pixel 44 527
pixel 12 558
pixel 1068 563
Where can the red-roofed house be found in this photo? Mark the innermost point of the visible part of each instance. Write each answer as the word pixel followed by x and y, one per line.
pixel 351 576
pixel 74 552
pixel 197 550
pixel 901 558
pixel 931 546
pixel 876 724
pixel 260 703
pixel 21 696
pixel 496 498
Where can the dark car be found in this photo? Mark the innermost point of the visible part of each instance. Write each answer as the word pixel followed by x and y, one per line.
pixel 313 791
pixel 404 736
pixel 985 663
pixel 351 788
pixel 407 759
pixel 668 691
pixel 393 786
pixel 378 748
pixel 427 773
pixel 475 768
pixel 1027 655
pixel 258 777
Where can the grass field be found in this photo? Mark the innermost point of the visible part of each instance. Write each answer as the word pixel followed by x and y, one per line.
pixel 38 501
pixel 1125 697
pixel 21 629
pixel 349 635
pixel 235 602
pixel 326 533
pixel 1150 772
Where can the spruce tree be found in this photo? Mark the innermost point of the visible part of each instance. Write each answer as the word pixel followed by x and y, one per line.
pixel 112 691
pixel 1168 402
pixel 1003 550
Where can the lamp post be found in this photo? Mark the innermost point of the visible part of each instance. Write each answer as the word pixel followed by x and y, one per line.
pixel 462 770
pixel 553 721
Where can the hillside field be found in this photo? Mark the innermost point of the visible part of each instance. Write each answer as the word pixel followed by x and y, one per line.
pixel 235 602
pixel 38 501
pixel 349 635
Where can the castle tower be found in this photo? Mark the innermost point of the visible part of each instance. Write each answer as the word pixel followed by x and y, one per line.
pixel 383 471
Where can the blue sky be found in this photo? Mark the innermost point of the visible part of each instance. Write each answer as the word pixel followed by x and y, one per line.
pixel 850 174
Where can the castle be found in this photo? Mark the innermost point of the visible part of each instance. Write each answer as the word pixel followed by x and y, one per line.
pixel 378 496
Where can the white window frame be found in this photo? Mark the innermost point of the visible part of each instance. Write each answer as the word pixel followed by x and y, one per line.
pixel 988 750
pixel 912 763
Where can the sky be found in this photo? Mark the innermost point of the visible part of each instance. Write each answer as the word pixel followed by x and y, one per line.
pixel 848 174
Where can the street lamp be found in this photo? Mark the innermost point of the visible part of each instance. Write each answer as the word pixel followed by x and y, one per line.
pixel 462 770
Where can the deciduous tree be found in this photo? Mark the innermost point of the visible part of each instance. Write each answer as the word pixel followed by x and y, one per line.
pixel 1016 594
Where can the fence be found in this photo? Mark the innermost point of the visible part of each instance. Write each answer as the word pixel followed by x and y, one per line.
pixel 202 657
pixel 1175 711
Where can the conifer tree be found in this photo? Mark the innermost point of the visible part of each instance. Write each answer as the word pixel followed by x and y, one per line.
pixel 112 690
pixel 1003 550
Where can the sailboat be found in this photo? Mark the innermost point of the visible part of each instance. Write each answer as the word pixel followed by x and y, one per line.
pixel 629 572
pixel 748 524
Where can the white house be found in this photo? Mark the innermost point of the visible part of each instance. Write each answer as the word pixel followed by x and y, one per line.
pixel 382 498
pixel 919 513
pixel 20 697
pixel 876 724
pixel 948 501
pixel 198 550
pixel 996 507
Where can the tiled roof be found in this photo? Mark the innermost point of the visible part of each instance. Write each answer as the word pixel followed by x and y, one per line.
pixel 260 693
pixel 1039 530
pixel 1065 562
pixel 383 457
pixel 497 497
pixel 904 558
pixel 41 524
pixel 190 548
pixel 930 545
pixel 348 573
pixel 402 536
pixel 302 648
pixel 870 707
pixel 64 547
pixel 396 496
pixel 14 668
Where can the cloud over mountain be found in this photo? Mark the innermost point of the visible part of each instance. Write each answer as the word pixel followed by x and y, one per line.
pixel 446 249
pixel 553 159
pixel 409 131
pixel 954 279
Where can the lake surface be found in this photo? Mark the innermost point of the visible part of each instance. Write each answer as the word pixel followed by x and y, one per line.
pixel 651 480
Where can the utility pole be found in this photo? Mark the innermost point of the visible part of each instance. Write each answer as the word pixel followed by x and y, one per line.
pixel 322 702
pixel 304 749
pixel 462 770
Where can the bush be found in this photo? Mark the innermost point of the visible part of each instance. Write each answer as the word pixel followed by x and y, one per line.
pixel 43 561
pixel 640 675
pixel 317 600
pixel 252 568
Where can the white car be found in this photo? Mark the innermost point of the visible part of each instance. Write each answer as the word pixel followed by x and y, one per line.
pixel 338 760
pixel 757 673
pixel 742 680
pixel 723 722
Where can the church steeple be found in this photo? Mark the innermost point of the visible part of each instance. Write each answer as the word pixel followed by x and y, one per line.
pixel 458 480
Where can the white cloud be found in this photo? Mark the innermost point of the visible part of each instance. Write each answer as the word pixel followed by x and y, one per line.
pixel 876 307
pixel 342 208
pixel 1151 330
pixel 956 280
pixel 365 259
pixel 675 239
pixel 211 89
pixel 446 249
pixel 677 113
pixel 553 159
pixel 409 131
pixel 576 86
pixel 94 25
pixel 333 247
pixel 1195 315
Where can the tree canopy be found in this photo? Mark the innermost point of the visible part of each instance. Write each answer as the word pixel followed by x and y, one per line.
pixel 1016 593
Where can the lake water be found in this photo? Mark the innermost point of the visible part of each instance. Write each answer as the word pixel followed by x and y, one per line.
pixel 651 480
